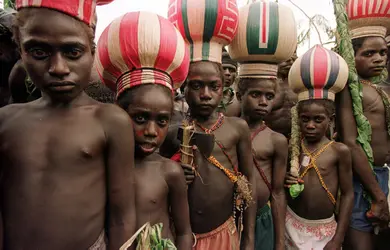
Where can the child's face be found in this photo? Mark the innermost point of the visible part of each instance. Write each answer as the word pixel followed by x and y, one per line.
pixel 314 122
pixel 258 98
pixel 58 60
pixel 230 74
pixel 150 112
pixel 371 57
pixel 204 88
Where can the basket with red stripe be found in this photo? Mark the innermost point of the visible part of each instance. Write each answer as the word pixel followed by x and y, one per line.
pixel 141 48
pixel 318 74
pixel 267 35
pixel 206 25
pixel 368 17
pixel 84 10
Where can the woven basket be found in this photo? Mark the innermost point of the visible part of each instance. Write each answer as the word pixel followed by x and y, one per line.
pixel 318 74
pixel 267 34
pixel 141 48
pixel 206 25
pixel 369 17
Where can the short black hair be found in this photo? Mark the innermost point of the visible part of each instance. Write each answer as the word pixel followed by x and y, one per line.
pixel 218 67
pixel 357 43
pixel 328 105
pixel 125 99
pixel 100 92
pixel 243 83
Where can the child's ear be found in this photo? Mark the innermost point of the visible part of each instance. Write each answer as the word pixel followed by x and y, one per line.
pixel 332 118
pixel 239 96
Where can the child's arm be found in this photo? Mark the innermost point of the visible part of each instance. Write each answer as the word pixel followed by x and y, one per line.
pixel 346 188
pixel 120 176
pixel 179 205
pixel 244 154
pixel 278 197
pixel 348 134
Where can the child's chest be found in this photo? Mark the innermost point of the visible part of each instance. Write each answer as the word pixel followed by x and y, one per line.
pixel 151 189
pixel 372 101
pixel 314 169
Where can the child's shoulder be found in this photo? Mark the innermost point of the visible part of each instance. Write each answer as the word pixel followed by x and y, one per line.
pixel 171 168
pixel 340 148
pixel 278 139
pixel 237 122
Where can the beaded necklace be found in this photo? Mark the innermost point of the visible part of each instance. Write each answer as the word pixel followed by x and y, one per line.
pixel 216 125
pixel 242 194
pixel 313 164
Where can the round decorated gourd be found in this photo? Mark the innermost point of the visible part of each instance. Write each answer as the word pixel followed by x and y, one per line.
pixel 266 36
pixel 318 74
pixel 206 25
pixel 141 48
pixel 368 17
pixel 83 10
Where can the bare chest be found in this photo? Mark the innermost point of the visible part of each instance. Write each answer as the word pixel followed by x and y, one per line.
pixel 152 189
pixel 45 142
pixel 372 103
pixel 314 170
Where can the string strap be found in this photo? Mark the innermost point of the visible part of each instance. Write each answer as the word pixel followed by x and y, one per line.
pixel 261 171
pixel 313 164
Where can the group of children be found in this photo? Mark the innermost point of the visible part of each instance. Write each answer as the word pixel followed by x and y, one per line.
pixel 81 174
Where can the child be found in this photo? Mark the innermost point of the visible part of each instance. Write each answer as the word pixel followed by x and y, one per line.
pixel 364 125
pixel 144 84
pixel 257 79
pixel 270 159
pixel 67 161
pixel 279 119
pixel 8 53
pixel 323 166
pixel 229 105
pixel 212 194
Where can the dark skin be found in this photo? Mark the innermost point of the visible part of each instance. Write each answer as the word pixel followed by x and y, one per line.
pixel 211 197
pixel 65 159
pixel 335 167
pixel 369 59
pixel 270 152
pixel 230 72
pixel 160 183
pixel 279 119
pixel 8 57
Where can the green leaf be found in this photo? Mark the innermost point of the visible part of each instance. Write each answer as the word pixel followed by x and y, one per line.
pixel 296 189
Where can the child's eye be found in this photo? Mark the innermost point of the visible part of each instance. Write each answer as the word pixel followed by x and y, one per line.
pixel 270 96
pixel 139 119
pixel 39 54
pixel 73 54
pixel 215 87
pixel 195 85
pixel 163 122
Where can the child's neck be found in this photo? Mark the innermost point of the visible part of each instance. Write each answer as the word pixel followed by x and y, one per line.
pixel 315 144
pixel 253 123
pixel 206 120
pixel 140 157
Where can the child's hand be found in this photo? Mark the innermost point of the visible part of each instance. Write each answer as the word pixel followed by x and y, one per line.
pixel 189 173
pixel 189 170
pixel 291 180
pixel 378 215
pixel 332 245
